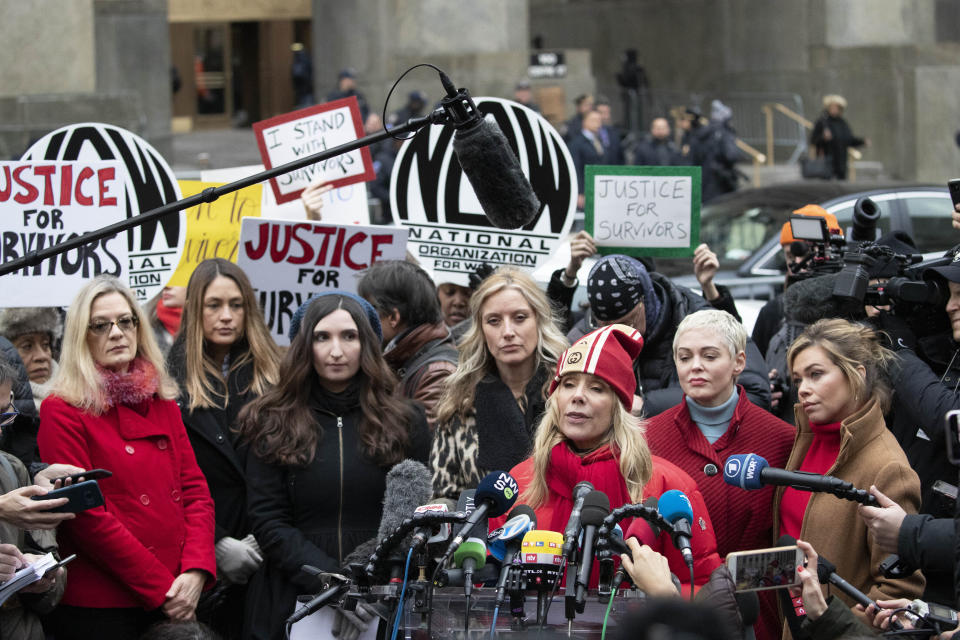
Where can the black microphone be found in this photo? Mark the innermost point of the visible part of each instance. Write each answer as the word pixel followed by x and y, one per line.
pixel 495 494
pixel 494 172
pixel 335 585
pixel 572 532
pixel 596 507
pixel 750 471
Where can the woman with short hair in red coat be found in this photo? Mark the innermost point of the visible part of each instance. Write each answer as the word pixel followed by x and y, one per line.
pixel 716 420
pixel 588 433
pixel 148 552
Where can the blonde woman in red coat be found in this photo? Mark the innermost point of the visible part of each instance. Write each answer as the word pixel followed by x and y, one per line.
pixel 148 552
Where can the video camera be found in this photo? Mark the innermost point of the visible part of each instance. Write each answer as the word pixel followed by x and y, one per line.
pixel 821 251
pixel 910 292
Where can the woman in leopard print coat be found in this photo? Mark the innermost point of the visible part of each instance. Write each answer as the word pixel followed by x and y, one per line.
pixel 492 403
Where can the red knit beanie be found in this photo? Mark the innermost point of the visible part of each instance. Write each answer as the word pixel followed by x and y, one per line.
pixel 607 353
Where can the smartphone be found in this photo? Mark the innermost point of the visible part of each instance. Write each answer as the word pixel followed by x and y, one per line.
pixel 762 569
pixel 82 496
pixel 92 474
pixel 954 187
pixel 953 436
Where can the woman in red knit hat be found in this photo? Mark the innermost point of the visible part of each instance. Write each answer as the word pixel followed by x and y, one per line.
pixel 588 433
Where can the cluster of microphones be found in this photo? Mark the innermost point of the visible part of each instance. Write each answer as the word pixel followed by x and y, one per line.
pixel 455 548
pixel 421 547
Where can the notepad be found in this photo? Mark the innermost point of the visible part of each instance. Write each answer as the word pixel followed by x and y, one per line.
pixel 26 576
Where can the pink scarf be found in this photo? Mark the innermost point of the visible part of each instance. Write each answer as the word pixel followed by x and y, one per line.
pixel 138 384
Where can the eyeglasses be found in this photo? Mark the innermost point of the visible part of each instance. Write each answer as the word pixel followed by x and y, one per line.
pixel 125 324
pixel 9 414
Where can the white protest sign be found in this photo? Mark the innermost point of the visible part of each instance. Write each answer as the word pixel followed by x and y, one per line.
pixel 154 248
pixel 341 205
pixel 643 211
pixel 288 261
pixel 449 234
pixel 44 203
pixel 305 132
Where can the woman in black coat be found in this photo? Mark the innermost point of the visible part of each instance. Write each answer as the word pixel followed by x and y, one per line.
pixel 322 442
pixel 223 357
pixel 832 135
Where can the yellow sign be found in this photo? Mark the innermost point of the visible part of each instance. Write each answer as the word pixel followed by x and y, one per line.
pixel 213 228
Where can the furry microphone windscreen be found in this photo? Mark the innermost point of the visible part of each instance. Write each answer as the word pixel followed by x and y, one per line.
pixel 494 172
pixel 408 485
pixel 812 299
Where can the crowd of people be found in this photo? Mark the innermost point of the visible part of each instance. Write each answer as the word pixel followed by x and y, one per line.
pixel 236 463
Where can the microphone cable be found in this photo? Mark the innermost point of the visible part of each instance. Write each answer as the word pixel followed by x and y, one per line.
pixel 553 592
pixel 403 591
pixel 390 93
pixel 606 616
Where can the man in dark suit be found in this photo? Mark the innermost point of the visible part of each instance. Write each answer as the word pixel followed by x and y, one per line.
pixel 586 148
pixel 610 135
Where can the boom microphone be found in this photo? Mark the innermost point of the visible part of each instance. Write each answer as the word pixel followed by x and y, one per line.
pixel 750 471
pixel 488 162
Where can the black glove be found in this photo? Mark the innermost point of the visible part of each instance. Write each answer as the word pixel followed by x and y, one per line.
pixel 894 331
pixel 481 273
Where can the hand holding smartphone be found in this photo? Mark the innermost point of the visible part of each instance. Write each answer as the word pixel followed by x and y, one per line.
pixel 92 474
pixel 81 496
pixel 774 568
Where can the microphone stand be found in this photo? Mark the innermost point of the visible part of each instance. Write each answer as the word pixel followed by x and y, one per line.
pixel 210 194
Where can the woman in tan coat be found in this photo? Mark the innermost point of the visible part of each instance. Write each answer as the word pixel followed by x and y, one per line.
pixel 839 369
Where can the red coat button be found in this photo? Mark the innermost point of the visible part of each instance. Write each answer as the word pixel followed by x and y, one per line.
pixel 145 499
pixel 129 449
pixel 175 494
pixel 162 444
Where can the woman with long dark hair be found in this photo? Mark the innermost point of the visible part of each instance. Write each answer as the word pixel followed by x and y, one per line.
pixel 147 552
pixel 321 443
pixel 223 357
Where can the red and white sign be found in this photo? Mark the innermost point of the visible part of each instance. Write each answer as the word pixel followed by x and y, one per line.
pixel 305 132
pixel 45 203
pixel 290 260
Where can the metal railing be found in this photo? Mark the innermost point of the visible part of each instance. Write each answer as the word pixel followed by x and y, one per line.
pixel 771 109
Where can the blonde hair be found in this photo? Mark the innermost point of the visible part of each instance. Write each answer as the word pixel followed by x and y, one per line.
pixel 77 380
pixel 728 328
pixel 850 346
pixel 834 99
pixel 475 359
pixel 626 436
pixel 200 369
